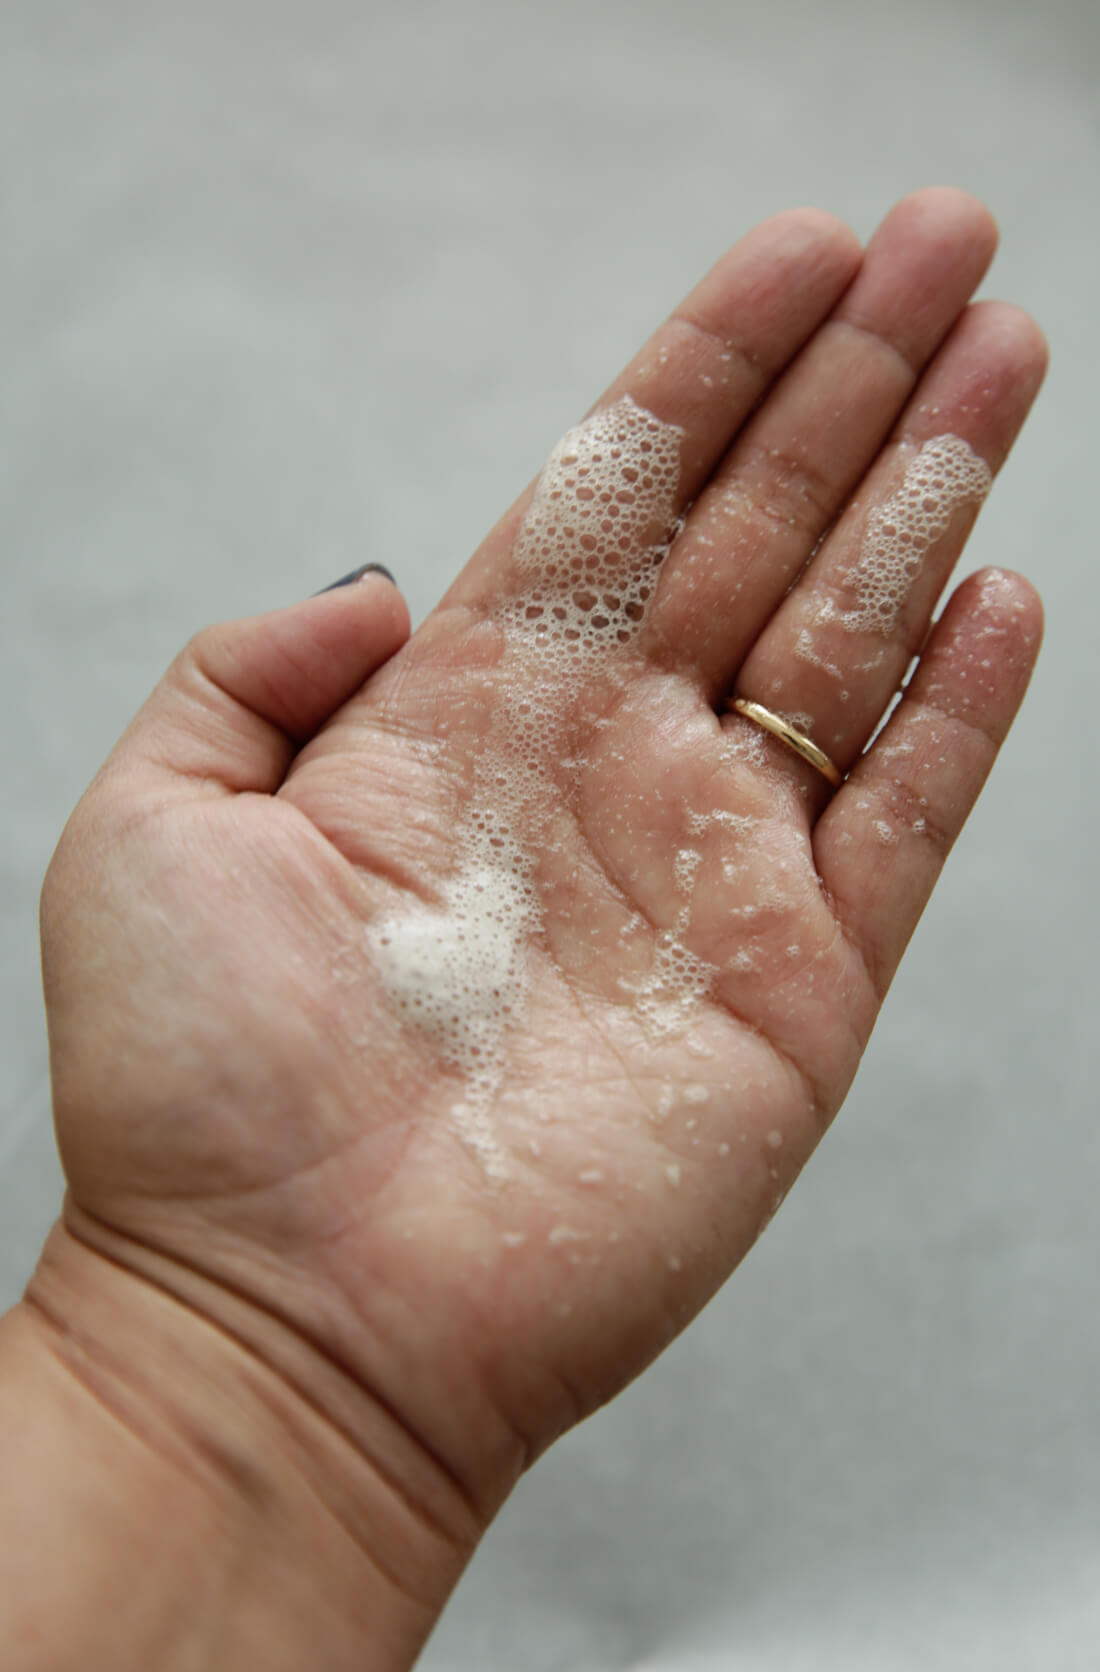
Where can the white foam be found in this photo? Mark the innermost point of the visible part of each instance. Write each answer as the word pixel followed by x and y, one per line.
pixel 697 822
pixel 598 523
pixel 585 562
pixel 456 970
pixel 685 865
pixel 666 997
pixel 945 475
pixel 560 1234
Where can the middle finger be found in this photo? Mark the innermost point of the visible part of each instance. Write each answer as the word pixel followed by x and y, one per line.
pixel 788 474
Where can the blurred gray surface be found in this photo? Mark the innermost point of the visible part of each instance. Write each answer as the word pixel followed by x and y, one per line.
pixel 284 288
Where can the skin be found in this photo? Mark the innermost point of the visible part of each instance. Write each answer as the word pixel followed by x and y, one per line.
pixel 264 1173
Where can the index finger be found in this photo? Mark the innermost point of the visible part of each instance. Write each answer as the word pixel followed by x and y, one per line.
pixel 713 359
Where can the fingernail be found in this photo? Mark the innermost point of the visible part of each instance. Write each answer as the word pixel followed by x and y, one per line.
pixel 357 575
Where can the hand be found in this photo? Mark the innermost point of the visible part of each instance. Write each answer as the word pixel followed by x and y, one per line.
pixel 465 1029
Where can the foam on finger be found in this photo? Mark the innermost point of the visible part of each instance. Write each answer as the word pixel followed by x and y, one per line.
pixel 584 564
pixel 586 553
pixel 945 476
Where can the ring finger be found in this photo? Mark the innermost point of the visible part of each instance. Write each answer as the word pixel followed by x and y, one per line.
pixel 835 651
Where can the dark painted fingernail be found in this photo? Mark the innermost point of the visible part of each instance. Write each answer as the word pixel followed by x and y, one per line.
pixel 357 575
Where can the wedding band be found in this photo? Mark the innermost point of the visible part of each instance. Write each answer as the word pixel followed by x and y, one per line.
pixel 790 735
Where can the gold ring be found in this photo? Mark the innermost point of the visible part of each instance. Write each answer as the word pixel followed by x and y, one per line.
pixel 791 736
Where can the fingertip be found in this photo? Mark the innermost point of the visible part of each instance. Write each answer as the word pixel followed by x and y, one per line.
pixel 806 230
pixel 1003 599
pixel 358 574
pixel 358 625
pixel 943 227
pixel 981 654
pixel 1020 340
pixel 377 594
pixel 811 219
pixel 954 207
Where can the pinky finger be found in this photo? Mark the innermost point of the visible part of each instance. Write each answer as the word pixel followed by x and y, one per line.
pixel 881 843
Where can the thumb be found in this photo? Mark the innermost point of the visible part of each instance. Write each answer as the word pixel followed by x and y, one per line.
pixel 243 696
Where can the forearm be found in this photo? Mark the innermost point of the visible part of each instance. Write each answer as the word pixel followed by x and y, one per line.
pixel 163 1507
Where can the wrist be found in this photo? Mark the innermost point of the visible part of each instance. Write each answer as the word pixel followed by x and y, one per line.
pixel 184 1492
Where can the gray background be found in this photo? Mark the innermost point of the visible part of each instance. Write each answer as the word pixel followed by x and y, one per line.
pixel 287 287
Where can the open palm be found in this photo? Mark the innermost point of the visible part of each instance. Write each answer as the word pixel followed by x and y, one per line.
pixel 474 1019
